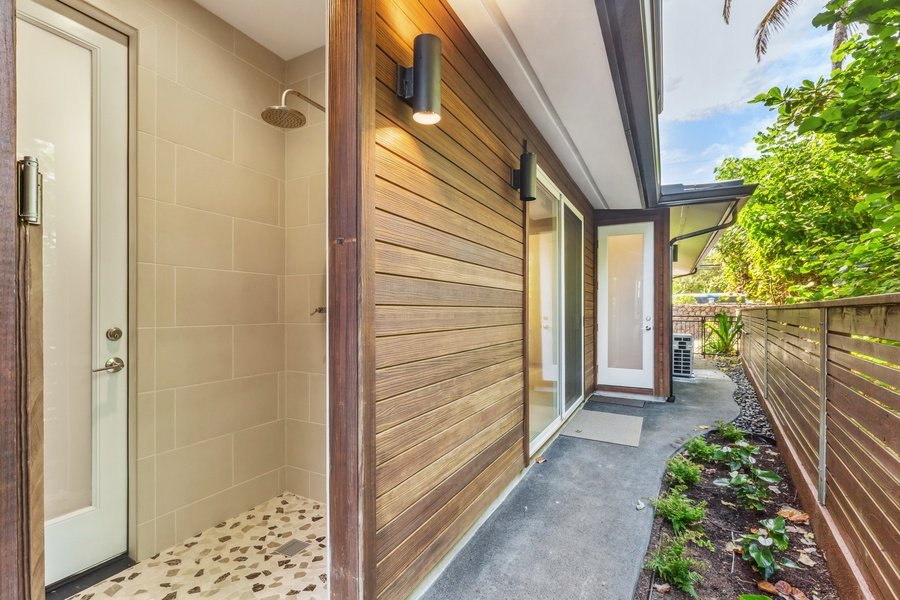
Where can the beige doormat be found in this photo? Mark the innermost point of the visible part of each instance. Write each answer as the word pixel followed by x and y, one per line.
pixel 605 427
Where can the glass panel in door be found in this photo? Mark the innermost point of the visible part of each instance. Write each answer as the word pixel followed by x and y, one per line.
pixel 543 309
pixel 626 309
pixel 573 306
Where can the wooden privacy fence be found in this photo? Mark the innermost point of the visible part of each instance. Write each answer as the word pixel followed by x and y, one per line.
pixel 828 375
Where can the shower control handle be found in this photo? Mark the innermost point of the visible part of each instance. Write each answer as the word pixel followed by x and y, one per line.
pixel 113 365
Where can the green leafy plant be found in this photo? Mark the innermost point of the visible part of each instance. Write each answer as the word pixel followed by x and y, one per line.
pixel 752 494
pixel 761 546
pixel 671 565
pixel 729 432
pixel 682 512
pixel 738 455
pixel 725 334
pixel 698 449
pixel 681 471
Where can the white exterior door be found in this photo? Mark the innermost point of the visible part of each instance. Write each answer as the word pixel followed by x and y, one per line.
pixel 73 117
pixel 625 305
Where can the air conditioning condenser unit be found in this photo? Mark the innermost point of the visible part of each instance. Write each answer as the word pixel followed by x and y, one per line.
pixel 683 355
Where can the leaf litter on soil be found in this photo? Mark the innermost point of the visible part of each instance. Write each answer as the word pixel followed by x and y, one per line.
pixel 724 518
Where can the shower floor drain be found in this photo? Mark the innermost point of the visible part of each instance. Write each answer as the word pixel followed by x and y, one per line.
pixel 292 547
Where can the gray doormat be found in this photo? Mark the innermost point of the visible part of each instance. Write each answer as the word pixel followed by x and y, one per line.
pixel 605 427
pixel 617 401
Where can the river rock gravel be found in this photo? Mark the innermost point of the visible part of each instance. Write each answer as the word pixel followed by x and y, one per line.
pixel 752 418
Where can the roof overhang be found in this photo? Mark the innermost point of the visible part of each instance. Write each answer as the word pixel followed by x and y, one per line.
pixel 586 77
pixel 708 208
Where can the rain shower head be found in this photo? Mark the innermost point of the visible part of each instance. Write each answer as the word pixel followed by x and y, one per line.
pixel 286 117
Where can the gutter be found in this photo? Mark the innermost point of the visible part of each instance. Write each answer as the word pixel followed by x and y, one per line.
pixel 732 219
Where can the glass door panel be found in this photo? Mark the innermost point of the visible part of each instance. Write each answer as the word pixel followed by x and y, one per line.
pixel 543 309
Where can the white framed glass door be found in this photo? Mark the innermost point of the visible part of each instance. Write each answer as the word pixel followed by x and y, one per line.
pixel 555 309
pixel 72 78
pixel 625 305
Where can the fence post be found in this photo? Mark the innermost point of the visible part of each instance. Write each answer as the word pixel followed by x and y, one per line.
pixel 823 399
pixel 765 384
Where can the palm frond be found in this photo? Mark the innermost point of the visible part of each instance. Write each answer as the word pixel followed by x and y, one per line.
pixel 774 20
pixel 726 11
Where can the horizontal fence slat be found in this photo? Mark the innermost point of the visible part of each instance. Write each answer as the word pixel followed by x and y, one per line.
pixel 882 321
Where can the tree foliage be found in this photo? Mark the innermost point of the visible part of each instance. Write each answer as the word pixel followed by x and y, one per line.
pixel 826 219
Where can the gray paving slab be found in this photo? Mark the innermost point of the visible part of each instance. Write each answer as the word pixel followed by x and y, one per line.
pixel 571 529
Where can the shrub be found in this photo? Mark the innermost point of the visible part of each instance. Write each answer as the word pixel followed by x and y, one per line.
pixel 729 432
pixel 760 547
pixel 737 456
pixel 672 566
pixel 699 450
pixel 680 471
pixel 751 491
pixel 679 510
pixel 725 333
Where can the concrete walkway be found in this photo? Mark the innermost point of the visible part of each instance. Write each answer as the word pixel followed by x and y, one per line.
pixel 571 528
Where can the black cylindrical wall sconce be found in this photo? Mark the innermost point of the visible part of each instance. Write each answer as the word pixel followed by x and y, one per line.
pixel 420 85
pixel 524 178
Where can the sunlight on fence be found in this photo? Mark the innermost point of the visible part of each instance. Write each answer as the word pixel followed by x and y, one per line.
pixel 840 411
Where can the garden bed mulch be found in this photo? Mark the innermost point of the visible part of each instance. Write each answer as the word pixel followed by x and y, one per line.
pixel 726 575
pixel 722 521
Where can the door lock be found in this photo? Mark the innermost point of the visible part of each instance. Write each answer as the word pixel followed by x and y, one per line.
pixel 113 365
pixel 113 334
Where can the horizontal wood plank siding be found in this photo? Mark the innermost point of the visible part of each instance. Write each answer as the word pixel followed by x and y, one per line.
pixel 449 291
pixel 862 423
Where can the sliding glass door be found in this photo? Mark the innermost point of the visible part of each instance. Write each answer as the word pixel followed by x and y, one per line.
pixel 555 311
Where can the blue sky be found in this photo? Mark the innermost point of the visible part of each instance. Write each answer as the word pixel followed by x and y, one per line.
pixel 710 72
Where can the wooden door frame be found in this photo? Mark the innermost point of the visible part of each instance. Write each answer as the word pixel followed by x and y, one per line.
pixel 21 549
pixel 662 283
pixel 351 299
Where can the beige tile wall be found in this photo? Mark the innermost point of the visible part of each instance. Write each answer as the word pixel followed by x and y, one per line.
pixel 218 274
pixel 304 286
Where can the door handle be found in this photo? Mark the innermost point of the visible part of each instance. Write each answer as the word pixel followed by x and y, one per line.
pixel 648 328
pixel 113 365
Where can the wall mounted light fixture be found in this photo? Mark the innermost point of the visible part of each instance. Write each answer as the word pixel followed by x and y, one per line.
pixel 420 84
pixel 524 178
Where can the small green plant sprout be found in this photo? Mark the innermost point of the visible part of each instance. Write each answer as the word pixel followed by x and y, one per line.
pixel 761 545
pixel 680 471
pixel 729 432
pixel 682 512
pixel 672 566
pixel 725 334
pixel 698 449
pixel 738 455
pixel 751 493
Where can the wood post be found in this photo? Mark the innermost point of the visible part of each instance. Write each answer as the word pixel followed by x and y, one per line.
pixel 823 400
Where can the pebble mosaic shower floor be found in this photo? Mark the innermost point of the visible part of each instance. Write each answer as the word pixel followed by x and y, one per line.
pixel 235 560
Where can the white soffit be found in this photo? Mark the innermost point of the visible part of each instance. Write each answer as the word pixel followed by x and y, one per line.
pixel 551 55
pixel 288 28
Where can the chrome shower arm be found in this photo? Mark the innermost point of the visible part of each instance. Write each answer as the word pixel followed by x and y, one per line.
pixel 302 97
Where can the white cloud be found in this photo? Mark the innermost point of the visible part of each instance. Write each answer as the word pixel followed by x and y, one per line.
pixel 710 68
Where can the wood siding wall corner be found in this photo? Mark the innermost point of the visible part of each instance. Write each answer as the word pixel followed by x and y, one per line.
pixel 351 494
pixel 449 293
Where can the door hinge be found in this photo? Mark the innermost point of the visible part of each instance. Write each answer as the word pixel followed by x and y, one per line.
pixel 31 184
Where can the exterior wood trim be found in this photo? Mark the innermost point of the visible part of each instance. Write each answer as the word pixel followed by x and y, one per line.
pixel 351 495
pixel 662 338
pixel 16 576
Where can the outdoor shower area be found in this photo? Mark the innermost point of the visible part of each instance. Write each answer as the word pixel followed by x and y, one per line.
pixel 226 304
